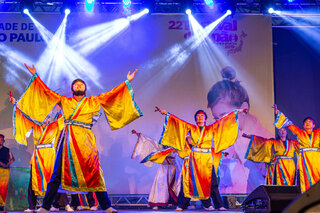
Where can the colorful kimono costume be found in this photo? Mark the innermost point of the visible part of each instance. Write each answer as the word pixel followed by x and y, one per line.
pixel 42 160
pixel 261 150
pixel 308 160
pixel 199 167
pixel 166 184
pixel 77 156
pixel 4 176
pixel 269 172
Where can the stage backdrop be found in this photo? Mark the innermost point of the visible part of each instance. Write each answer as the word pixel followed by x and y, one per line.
pixel 176 71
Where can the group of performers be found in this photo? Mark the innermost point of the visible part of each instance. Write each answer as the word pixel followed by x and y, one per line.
pixel 66 159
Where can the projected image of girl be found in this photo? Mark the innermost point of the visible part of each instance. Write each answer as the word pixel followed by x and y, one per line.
pixel 238 175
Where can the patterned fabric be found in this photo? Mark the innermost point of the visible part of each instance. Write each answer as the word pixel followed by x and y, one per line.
pixel 81 170
pixel 197 168
pixel 284 168
pixel 4 181
pixel 269 175
pixel 167 181
pixel 45 138
pixel 308 165
pixel 143 148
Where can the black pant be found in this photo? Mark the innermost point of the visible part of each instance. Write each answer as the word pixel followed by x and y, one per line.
pixel 60 200
pixel 55 182
pixel 183 202
pixel 32 198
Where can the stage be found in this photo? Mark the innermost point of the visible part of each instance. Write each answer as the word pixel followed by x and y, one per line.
pixel 149 210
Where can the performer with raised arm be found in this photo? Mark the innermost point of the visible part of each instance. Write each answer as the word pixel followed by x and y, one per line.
pixel 45 137
pixel 309 139
pixel 166 184
pixel 201 180
pixel 240 175
pixel 77 166
pixel 283 149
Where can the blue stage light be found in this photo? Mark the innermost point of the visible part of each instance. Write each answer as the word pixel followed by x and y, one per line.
pixel 229 12
pixel 25 11
pixel 271 10
pixel 67 11
pixel 89 5
pixel 188 11
pixel 208 2
pixel 126 3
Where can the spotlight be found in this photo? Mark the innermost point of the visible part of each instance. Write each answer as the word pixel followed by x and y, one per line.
pixel 188 11
pixel 146 11
pixel 67 11
pixel 271 10
pixel 25 11
pixel 89 5
pixel 126 3
pixel 70 5
pixel 26 6
pixel 186 5
pixel 229 12
pixel 208 2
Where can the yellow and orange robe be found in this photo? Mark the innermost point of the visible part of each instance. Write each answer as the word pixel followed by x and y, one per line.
pixel 81 170
pixel 269 172
pixel 219 135
pixel 308 159
pixel 4 177
pixel 45 139
pixel 261 150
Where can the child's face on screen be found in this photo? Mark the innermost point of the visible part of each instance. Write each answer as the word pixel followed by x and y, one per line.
pixel 222 108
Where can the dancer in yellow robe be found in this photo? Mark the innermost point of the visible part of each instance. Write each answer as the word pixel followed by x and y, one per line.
pixel 200 172
pixel 44 136
pixel 77 166
pixel 309 140
pixel 262 150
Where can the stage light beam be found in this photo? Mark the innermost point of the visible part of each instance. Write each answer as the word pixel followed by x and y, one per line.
pixel 188 11
pixel 89 5
pixel 126 3
pixel 175 57
pixel 271 10
pixel 26 11
pixel 208 2
pixel 67 11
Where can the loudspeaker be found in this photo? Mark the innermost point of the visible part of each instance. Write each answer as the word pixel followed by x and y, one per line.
pixel 309 201
pixel 270 198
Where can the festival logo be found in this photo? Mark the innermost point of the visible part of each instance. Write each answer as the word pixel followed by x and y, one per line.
pixel 227 34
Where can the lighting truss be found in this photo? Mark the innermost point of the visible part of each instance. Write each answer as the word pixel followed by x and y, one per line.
pixel 171 6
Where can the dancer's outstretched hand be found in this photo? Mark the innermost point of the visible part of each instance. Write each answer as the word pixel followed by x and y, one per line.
pixel 135 132
pixel 11 99
pixel 245 135
pixel 242 110
pixel 276 111
pixel 131 76
pixel 32 69
pixel 163 112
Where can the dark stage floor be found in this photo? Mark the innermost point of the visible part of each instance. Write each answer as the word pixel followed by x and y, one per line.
pixel 149 210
